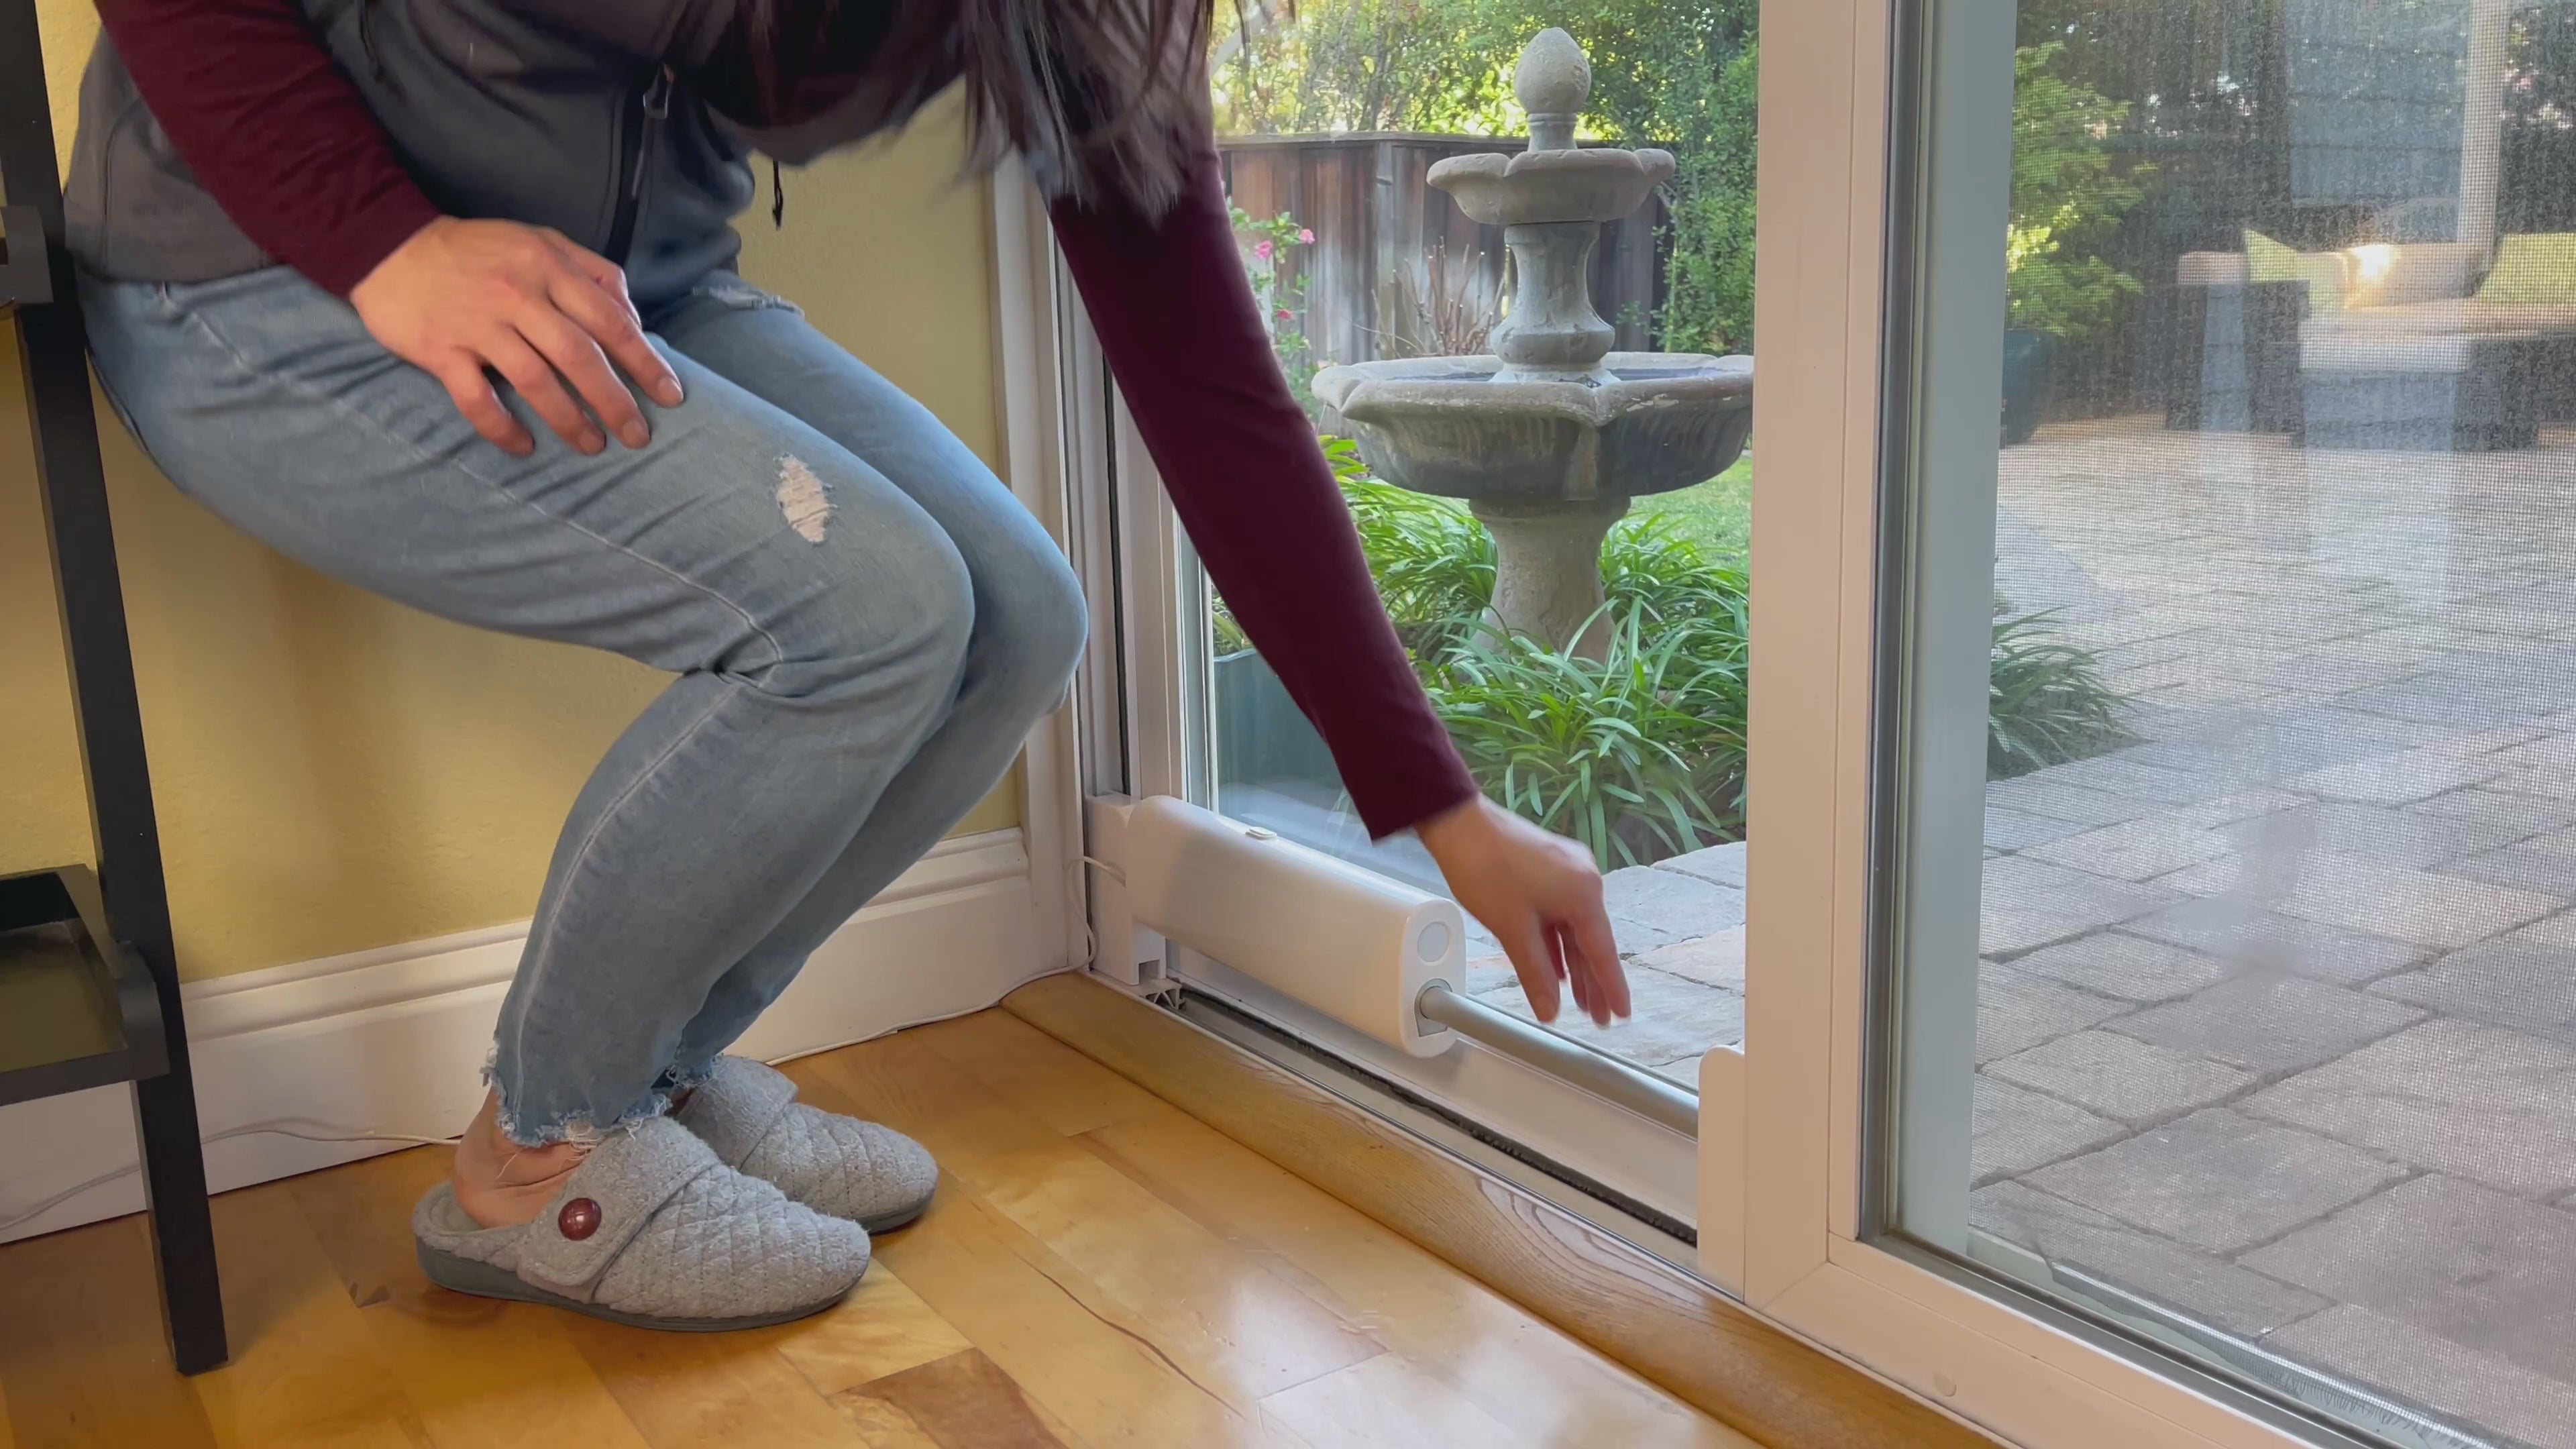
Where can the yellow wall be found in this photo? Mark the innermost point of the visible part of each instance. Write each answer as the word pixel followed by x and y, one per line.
pixel 335 772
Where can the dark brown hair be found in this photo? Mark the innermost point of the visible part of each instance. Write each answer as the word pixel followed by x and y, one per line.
pixel 1102 97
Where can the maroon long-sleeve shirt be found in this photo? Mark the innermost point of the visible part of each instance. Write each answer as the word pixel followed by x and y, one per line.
pixel 286 145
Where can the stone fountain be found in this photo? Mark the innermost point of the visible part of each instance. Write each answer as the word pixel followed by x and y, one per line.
pixel 1548 440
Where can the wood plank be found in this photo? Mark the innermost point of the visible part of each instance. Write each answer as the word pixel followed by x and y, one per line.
pixel 884 1328
pixel 963 1401
pixel 1675 1330
pixel 479 1372
pixel 685 1390
pixel 1386 1403
pixel 304 1370
pixel 1223 1320
pixel 1056 1334
pixel 82 1357
pixel 1524 1371
pixel 1039 1075
pixel 1462 1333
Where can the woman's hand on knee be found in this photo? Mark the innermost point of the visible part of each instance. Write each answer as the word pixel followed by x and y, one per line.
pixel 1540 895
pixel 463 299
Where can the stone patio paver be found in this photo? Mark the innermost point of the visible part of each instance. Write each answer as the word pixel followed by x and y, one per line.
pixel 2027 903
pixel 2529 814
pixel 1717 864
pixel 2511 981
pixel 2033 795
pixel 2426 1252
pixel 2132 968
pixel 2201 1285
pixel 1651 907
pixel 2008 829
pixel 2532 867
pixel 2479 1101
pixel 2136 780
pixel 2242 804
pixel 2017 1011
pixel 1716 959
pixel 2369 896
pixel 2218 1180
pixel 2136 850
pixel 2246 937
pixel 2014 1129
pixel 2268 1023
pixel 2122 1077
pixel 2368 832
pixel 2433 1371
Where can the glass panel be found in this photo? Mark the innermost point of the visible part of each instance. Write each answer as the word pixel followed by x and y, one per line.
pixel 1616 717
pixel 2268 600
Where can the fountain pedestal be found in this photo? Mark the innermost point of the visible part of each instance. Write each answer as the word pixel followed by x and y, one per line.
pixel 1547 568
pixel 1549 438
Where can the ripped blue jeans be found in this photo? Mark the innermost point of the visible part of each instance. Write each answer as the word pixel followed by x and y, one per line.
pixel 863 622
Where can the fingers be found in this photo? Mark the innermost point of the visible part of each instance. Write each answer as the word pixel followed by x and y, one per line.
pixel 1598 952
pixel 1533 958
pixel 1578 982
pixel 599 302
pixel 535 379
pixel 462 376
pixel 572 353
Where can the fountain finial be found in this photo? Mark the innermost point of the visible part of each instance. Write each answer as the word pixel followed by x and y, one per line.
pixel 1553 81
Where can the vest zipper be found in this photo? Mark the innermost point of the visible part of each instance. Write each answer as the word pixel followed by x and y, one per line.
pixel 643 123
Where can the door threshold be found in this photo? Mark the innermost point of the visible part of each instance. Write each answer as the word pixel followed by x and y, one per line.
pixel 1632 1222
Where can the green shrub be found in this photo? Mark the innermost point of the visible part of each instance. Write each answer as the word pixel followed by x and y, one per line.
pixel 1641 755
pixel 2048 702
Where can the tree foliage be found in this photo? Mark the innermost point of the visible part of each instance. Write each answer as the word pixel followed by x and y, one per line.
pixel 1680 76
pixel 2067 201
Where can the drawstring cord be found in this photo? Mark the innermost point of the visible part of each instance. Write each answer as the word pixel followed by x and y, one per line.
pixel 777 198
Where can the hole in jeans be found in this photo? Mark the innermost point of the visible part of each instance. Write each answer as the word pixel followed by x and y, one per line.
pixel 803 499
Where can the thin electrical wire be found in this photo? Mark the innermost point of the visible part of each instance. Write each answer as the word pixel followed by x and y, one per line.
pixel 277 1126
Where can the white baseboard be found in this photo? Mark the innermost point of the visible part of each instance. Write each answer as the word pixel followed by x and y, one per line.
pixel 393 1040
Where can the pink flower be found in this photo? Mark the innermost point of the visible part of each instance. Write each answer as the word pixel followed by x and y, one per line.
pixel 1286 315
pixel 1305 236
pixel 1262 250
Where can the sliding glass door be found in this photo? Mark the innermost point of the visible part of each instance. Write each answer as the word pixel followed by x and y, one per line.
pixel 2122 961
pixel 2228 985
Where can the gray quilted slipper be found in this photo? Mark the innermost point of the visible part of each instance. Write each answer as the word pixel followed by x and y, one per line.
pixel 652 1231
pixel 872 1175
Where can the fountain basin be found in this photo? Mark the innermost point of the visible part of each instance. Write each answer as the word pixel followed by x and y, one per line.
pixel 1537 187
pixel 1474 428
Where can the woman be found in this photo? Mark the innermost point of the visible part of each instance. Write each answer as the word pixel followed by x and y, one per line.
pixel 364 277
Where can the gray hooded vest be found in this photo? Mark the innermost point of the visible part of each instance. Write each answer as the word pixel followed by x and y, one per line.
pixel 573 114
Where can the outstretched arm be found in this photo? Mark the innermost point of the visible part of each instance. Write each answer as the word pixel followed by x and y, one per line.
pixel 1185 340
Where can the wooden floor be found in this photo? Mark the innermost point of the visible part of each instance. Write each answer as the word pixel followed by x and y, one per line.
pixel 1100 1269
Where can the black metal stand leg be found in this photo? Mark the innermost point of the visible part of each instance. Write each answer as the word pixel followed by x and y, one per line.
pixel 183 1223
pixel 54 347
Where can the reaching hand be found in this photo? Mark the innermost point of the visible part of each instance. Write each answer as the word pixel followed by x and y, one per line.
pixel 525 302
pixel 1541 897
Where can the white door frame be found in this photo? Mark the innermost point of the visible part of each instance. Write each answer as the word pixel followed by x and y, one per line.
pixel 1846 91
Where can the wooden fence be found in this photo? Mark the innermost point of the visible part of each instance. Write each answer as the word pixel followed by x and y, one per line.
pixel 1391 253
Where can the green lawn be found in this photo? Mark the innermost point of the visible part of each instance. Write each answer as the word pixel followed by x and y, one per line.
pixel 1716 515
